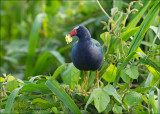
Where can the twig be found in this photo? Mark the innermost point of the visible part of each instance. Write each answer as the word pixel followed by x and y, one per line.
pixel 103 10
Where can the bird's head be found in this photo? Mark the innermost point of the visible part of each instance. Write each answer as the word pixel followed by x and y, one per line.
pixel 81 32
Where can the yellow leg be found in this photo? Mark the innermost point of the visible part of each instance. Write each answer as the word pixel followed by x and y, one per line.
pixel 97 78
pixel 85 80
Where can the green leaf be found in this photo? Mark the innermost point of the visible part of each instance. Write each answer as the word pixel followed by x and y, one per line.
pixel 156 75
pixel 54 109
pixel 39 100
pixel 90 100
pixel 11 85
pixel 117 109
pixel 111 48
pixel 137 18
pixel 127 34
pixel 109 107
pixel 122 66
pixel 124 76
pixel 141 89
pixel 144 27
pixel 10 100
pixel 110 73
pixel 71 75
pixel 33 39
pixel 62 95
pixel 155 29
pixel 106 37
pixel 148 80
pixel 38 88
pixel 118 4
pixel 132 98
pixel 132 72
pixel 40 63
pixel 58 56
pixel 43 59
pixel 152 101
pixel 152 67
pixel 59 70
pixel 144 59
pixel 144 98
pixel 112 91
pixel 33 78
pixel 91 80
pixel 158 109
pixel 101 99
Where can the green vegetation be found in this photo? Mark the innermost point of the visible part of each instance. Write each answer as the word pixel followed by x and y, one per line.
pixel 36 71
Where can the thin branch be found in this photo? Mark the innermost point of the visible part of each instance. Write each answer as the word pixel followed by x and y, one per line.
pixel 103 10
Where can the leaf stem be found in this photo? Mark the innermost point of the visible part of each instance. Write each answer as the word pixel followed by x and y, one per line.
pixel 103 10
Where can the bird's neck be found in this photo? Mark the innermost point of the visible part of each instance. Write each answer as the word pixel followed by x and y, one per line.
pixel 85 37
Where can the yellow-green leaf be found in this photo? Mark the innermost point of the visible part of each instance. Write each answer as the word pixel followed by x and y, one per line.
pixel 110 73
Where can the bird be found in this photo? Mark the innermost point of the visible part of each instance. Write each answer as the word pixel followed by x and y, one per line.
pixel 87 53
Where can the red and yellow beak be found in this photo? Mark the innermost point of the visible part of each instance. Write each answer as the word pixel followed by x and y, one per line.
pixel 73 33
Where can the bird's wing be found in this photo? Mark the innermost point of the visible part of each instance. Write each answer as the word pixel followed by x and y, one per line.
pixel 96 43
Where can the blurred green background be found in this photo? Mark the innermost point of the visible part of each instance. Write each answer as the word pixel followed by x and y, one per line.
pixel 18 18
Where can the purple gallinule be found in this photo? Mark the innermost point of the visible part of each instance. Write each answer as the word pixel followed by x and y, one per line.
pixel 87 53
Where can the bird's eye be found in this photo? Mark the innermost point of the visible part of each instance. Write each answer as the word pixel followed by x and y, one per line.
pixel 78 29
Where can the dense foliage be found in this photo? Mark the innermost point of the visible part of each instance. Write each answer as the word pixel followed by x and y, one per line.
pixel 36 72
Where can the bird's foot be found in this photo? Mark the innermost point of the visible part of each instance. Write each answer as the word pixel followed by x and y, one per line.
pixel 85 93
pixel 97 81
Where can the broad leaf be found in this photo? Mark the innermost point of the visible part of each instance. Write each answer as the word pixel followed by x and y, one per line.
pixel 38 88
pixel 132 72
pixel 12 83
pixel 122 66
pixel 112 91
pixel 39 100
pixel 71 75
pixel 101 99
pixel 117 109
pixel 124 76
pixel 91 98
pixel 141 89
pixel 106 37
pixel 132 98
pixel 109 108
pixel 127 34
pixel 110 73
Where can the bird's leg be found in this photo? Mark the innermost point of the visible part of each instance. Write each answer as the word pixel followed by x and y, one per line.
pixel 85 80
pixel 97 78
